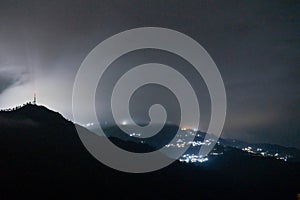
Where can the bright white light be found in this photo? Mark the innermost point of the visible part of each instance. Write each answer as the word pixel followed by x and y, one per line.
pixel 88 125
pixel 124 123
pixel 192 158
pixel 135 135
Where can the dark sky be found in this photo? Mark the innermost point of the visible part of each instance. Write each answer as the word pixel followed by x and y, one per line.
pixel 255 45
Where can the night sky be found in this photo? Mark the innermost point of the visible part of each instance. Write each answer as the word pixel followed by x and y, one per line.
pixel 255 45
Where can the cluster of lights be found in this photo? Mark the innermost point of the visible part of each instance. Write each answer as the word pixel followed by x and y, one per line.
pixel 135 135
pixel 180 143
pixel 248 149
pixel 198 143
pixel 89 124
pixel 187 158
pixel 282 158
pixel 265 154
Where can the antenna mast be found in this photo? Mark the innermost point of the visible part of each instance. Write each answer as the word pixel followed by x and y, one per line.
pixel 34 98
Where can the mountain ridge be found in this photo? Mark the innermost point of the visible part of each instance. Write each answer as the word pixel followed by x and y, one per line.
pixel 51 159
pixel 35 114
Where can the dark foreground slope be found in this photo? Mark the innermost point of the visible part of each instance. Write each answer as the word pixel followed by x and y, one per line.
pixel 42 155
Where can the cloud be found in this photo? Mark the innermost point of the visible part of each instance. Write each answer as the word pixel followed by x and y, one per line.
pixel 10 77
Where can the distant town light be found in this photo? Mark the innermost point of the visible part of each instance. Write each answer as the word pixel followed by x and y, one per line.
pixel 192 158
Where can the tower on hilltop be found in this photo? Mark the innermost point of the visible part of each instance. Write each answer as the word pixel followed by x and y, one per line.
pixel 34 98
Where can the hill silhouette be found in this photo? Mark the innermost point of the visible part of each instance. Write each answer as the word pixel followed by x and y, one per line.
pixel 42 155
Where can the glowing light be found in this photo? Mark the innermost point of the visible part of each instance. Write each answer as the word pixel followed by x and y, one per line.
pixel 192 158
pixel 89 124
pixel 135 135
pixel 124 123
